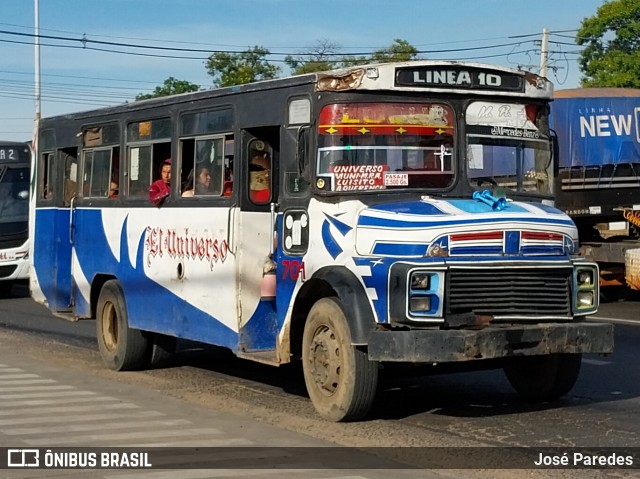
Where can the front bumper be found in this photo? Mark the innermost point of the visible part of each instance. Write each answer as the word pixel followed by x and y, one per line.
pixel 455 345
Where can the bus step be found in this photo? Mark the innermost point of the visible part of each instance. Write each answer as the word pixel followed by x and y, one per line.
pixel 269 356
pixel 69 315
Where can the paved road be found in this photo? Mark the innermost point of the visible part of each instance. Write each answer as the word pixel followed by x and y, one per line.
pixel 43 405
pixel 469 409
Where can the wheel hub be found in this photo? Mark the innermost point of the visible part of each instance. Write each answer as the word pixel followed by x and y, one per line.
pixel 110 327
pixel 326 360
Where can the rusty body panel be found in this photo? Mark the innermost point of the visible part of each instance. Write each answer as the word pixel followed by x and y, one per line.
pixel 456 345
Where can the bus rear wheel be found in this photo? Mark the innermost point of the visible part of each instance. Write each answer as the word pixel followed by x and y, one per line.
pixel 121 347
pixel 543 378
pixel 340 378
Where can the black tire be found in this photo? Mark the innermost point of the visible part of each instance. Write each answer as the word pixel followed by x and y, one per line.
pixel 543 378
pixel 5 288
pixel 121 347
pixel 340 378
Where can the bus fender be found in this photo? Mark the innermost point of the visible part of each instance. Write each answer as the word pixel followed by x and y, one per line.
pixel 354 300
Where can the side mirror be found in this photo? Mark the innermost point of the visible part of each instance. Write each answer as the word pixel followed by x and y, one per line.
pixel 555 152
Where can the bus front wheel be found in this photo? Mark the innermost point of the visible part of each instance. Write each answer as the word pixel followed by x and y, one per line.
pixel 121 347
pixel 543 378
pixel 340 378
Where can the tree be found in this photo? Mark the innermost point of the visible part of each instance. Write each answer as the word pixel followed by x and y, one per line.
pixel 171 86
pixel 612 38
pixel 399 51
pixel 228 69
pixel 320 57
pixel 323 56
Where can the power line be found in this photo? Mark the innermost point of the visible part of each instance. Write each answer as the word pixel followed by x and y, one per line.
pixel 79 77
pixel 173 41
pixel 85 41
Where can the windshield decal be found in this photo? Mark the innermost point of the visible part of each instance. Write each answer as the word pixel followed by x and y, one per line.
pixel 358 177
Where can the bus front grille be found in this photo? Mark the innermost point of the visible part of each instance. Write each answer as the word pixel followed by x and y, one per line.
pixel 510 293
pixel 14 242
pixel 7 270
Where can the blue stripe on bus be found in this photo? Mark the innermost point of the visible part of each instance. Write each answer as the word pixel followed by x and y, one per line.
pixel 409 207
pixel 330 243
pixel 400 249
pixel 372 221
pixel 475 250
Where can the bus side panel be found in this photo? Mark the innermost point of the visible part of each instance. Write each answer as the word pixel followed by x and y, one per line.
pixel 52 257
pixel 139 249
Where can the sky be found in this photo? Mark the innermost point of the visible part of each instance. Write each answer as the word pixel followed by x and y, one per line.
pixel 77 75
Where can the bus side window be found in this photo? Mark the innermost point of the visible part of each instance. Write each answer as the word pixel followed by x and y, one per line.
pixel 139 171
pixel 206 169
pixel 70 178
pixel 46 191
pixel 97 173
pixel 260 168
pixel 114 184
pixel 227 186
pixel 187 165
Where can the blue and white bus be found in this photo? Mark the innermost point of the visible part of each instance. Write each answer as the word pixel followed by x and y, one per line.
pixel 392 213
pixel 15 164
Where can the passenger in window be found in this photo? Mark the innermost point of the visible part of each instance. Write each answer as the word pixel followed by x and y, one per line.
pixel 227 188
pixel 113 189
pixel 161 188
pixel 202 182
pixel 260 177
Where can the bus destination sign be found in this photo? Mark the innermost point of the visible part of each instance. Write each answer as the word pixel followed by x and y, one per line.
pixel 459 77
pixel 9 153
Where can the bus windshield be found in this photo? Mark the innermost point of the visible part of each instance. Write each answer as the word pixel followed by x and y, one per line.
pixel 508 147
pixel 14 200
pixel 378 146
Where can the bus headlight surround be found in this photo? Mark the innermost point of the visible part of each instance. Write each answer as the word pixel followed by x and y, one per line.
pixel 586 284
pixel 425 290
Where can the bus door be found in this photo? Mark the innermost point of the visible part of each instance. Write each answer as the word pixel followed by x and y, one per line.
pixel 53 234
pixel 254 238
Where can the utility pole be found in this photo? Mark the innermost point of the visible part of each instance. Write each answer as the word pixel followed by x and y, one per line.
pixel 36 43
pixel 544 53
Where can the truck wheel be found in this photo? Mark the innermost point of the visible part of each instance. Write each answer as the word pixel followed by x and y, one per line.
pixel 121 347
pixel 340 379
pixel 542 378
